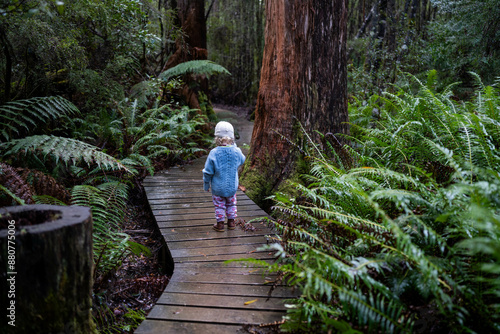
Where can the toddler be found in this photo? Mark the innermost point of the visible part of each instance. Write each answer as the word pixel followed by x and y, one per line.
pixel 221 174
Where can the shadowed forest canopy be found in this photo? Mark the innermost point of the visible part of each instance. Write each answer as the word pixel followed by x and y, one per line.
pixel 375 147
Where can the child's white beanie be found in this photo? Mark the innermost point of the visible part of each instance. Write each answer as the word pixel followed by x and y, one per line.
pixel 224 129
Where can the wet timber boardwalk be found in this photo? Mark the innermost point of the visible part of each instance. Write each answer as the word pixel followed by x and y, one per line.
pixel 205 295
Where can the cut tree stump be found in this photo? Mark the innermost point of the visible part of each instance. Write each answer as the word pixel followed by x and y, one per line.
pixel 46 269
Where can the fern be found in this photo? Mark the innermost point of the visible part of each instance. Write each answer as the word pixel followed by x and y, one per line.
pixel 14 186
pixel 69 151
pixel 107 203
pixel 44 186
pixel 413 219
pixel 25 115
pixel 197 67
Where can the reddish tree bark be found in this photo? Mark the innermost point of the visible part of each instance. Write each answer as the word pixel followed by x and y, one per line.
pixel 304 79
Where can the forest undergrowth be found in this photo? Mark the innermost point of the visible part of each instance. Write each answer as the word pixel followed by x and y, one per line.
pixel 52 153
pixel 126 296
pixel 397 232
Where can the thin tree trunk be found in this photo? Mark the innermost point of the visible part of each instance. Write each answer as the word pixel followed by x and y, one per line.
pixel 303 82
pixel 7 47
pixel 367 20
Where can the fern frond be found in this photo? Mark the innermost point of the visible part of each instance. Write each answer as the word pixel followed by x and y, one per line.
pixel 70 151
pixel 198 67
pixel 28 114
pixel 14 185
pixel 47 199
pixel 107 203
pixel 376 312
pixel 44 185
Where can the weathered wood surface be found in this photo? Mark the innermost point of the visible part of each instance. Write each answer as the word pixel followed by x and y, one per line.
pixel 206 295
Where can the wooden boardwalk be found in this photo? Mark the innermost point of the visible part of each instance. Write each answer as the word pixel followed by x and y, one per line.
pixel 205 295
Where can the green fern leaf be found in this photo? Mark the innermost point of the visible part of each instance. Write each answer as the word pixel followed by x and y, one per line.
pixel 199 67
pixel 28 114
pixel 70 151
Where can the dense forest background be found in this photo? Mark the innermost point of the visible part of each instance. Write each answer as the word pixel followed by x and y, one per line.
pixel 68 48
pixel 97 94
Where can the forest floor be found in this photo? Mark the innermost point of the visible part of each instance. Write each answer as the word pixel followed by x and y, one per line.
pixel 131 291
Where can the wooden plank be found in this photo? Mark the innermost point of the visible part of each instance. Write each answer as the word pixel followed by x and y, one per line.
pixel 187 206
pixel 256 291
pixel 220 316
pixel 205 226
pixel 172 181
pixel 152 326
pixel 221 250
pixel 171 235
pixel 207 276
pixel 173 184
pixel 163 195
pixel 242 240
pixel 158 195
pixel 223 268
pixel 195 191
pixel 242 268
pixel 180 209
pixel 207 210
pixel 192 199
pixel 232 302
pixel 191 219
pixel 226 257
pixel 233 279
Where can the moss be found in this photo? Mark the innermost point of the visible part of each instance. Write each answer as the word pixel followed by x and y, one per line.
pixel 257 186
pixel 71 322
pixel 206 107
pixel 260 185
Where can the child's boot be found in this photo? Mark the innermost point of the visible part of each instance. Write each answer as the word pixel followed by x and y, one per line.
pixel 219 226
pixel 230 224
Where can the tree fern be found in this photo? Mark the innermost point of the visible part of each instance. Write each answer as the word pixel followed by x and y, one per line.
pixel 197 67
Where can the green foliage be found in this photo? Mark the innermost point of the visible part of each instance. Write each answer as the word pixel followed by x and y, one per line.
pixel 20 117
pixel 108 324
pixel 196 67
pixel 107 202
pixel 69 151
pixel 161 133
pixel 411 228
pixel 97 89
pixel 466 38
pixel 235 39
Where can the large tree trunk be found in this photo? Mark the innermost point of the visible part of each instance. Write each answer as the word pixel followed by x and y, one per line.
pixel 191 15
pixel 303 80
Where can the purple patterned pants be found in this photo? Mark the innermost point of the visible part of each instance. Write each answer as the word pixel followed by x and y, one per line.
pixel 223 206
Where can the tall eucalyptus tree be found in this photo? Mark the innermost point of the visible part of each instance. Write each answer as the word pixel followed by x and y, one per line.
pixel 303 82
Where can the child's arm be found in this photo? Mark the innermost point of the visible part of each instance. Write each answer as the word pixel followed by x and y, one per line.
pixel 208 173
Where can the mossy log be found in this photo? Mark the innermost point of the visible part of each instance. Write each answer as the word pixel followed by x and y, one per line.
pixel 46 287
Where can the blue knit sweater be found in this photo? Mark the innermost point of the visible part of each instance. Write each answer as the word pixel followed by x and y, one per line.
pixel 221 170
